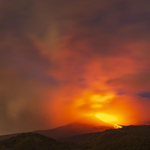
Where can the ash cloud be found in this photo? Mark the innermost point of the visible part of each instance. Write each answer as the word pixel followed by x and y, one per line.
pixel 53 51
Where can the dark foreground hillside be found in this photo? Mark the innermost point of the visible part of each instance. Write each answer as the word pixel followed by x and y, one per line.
pixel 127 138
pixel 34 141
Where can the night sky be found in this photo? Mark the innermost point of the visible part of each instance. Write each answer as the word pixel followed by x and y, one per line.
pixel 63 59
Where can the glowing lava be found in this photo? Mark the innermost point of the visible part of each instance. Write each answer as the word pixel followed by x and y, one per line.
pixel 106 118
pixel 116 126
pixel 105 106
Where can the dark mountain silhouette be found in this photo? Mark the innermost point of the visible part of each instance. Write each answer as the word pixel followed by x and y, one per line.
pixel 81 126
pixel 79 138
pixel 127 138
pixel 34 141
pixel 4 137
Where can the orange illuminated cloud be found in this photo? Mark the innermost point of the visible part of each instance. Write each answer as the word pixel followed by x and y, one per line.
pixel 107 118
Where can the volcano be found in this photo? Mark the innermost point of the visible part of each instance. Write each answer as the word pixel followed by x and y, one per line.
pixel 81 126
pixel 90 124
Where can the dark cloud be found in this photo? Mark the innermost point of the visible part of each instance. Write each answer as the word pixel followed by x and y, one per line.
pixel 132 82
pixel 145 94
pixel 23 79
pixel 56 50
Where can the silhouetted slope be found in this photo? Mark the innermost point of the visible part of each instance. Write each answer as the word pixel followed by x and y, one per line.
pixel 4 137
pixel 70 130
pixel 81 126
pixel 79 138
pixel 127 138
pixel 34 141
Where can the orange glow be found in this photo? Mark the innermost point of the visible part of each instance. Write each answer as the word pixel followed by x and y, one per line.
pixel 100 98
pixel 96 105
pixel 116 126
pixel 106 106
pixel 107 118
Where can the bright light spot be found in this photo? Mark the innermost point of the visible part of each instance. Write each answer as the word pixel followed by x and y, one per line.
pixel 106 118
pixel 116 126
pixel 99 98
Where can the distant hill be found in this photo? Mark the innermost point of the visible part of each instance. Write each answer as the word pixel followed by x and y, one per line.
pixel 81 126
pixel 127 138
pixel 34 141
pixel 4 137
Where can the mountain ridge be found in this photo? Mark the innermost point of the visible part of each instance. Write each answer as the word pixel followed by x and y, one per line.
pixel 88 124
pixel 80 126
pixel 126 138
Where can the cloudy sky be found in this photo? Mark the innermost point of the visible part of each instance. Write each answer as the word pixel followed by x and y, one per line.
pixel 63 59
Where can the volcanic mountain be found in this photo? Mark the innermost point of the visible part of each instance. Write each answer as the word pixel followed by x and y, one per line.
pixel 80 126
pixel 126 138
